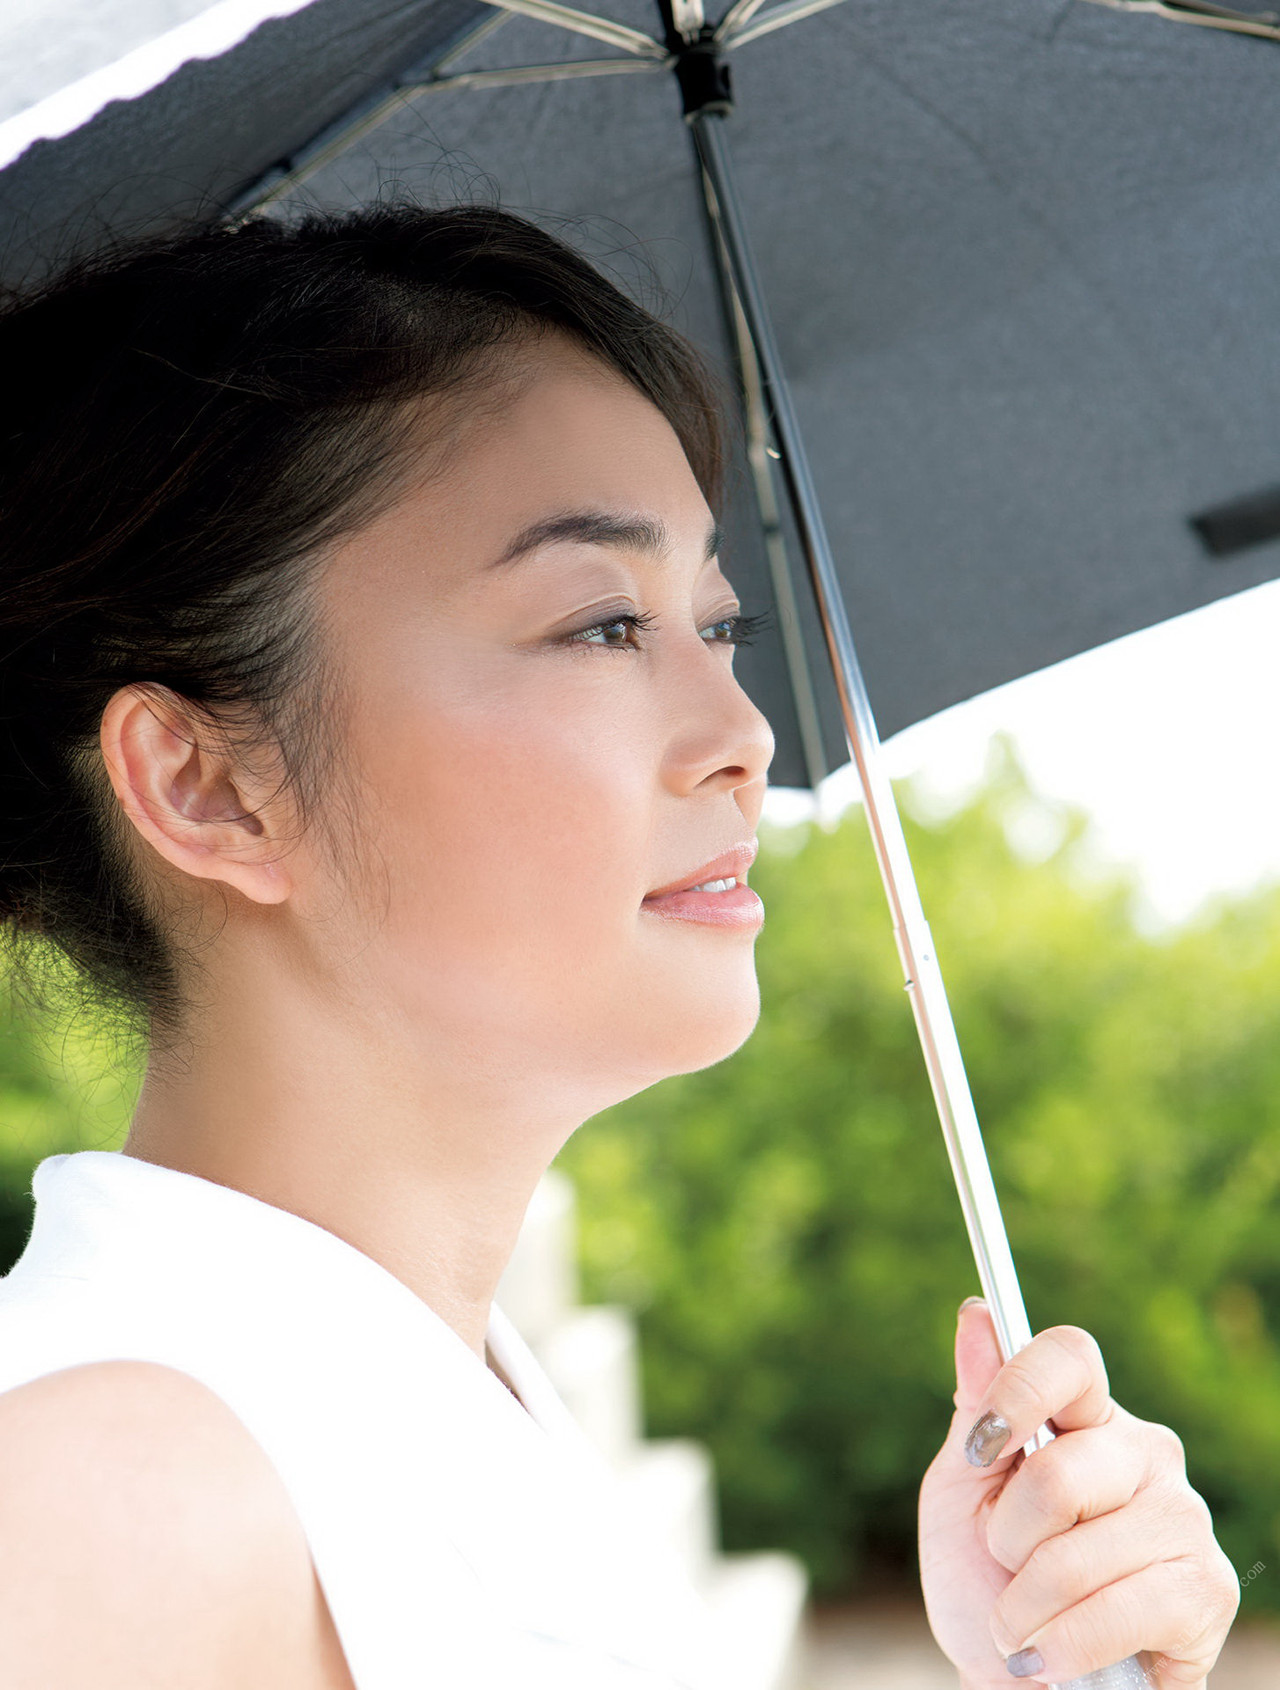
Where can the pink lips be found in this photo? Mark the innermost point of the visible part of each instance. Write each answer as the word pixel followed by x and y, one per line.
pixel 740 907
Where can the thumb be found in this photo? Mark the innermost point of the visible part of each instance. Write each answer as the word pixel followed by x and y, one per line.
pixel 977 1355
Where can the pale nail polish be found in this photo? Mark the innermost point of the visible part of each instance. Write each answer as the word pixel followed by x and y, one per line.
pixel 988 1437
pixel 1025 1663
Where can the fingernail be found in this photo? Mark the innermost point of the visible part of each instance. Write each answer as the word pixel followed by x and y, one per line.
pixel 967 1304
pixel 989 1436
pixel 1025 1663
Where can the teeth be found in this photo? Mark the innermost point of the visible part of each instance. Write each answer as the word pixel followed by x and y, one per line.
pixel 715 886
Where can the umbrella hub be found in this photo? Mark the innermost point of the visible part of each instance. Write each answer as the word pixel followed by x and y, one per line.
pixel 698 60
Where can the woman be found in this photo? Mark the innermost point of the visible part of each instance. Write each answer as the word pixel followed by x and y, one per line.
pixel 373 738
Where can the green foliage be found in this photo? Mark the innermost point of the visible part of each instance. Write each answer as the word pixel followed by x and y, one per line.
pixel 66 1083
pixel 785 1226
pixel 784 1223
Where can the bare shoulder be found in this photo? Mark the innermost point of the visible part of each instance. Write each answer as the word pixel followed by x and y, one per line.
pixel 147 1540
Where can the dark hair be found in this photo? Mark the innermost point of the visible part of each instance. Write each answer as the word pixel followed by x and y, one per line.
pixel 189 419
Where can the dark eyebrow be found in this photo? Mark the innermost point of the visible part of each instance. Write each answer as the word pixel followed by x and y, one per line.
pixel 600 528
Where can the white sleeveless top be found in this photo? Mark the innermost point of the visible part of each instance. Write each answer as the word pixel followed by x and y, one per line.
pixel 463 1542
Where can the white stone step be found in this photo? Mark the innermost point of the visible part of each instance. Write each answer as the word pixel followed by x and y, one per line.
pixel 539 1287
pixel 758 1608
pixel 590 1357
pixel 668 1486
pixel 669 1491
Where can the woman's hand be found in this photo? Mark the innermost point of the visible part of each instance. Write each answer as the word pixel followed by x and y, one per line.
pixel 1088 1551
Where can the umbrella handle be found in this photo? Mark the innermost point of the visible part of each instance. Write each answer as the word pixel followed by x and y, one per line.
pixel 751 330
pixel 1129 1674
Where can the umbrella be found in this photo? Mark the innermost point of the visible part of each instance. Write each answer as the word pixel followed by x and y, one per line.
pixel 1016 252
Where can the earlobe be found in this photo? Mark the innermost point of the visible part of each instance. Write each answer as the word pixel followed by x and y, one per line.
pixel 181 789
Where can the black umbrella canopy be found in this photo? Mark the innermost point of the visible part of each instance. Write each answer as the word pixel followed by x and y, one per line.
pixel 1020 256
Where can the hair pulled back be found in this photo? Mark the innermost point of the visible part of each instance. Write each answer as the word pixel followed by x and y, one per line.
pixel 188 420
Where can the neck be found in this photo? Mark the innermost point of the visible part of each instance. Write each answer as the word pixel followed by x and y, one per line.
pixel 425 1170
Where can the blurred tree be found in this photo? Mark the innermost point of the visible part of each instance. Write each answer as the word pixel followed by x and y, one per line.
pixel 785 1225
pixel 67 1082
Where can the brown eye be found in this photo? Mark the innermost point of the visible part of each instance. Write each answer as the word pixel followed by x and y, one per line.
pixel 734 630
pixel 630 623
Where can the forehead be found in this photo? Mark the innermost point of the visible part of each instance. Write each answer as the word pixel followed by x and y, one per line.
pixel 555 435
pixel 558 411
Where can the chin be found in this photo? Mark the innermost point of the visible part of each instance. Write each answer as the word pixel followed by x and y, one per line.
pixel 698 1030
pixel 682 1044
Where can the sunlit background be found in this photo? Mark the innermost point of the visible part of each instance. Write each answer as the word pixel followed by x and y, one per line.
pixel 1168 739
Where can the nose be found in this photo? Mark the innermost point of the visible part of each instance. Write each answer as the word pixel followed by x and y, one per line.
pixel 719 738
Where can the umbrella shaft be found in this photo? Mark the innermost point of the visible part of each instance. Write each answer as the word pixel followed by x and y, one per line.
pixel 745 310
pixel 923 977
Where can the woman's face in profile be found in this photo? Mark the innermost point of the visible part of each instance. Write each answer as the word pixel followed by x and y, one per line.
pixel 528 766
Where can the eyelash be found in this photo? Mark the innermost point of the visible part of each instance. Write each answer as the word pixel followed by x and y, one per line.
pixel 743 628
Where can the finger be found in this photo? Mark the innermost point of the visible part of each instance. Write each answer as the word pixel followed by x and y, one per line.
pixel 1059 1375
pixel 978 1361
pixel 978 1358
pixel 1064 1570
pixel 1079 1476
pixel 1178 1612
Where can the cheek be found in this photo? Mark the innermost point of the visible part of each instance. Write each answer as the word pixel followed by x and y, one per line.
pixel 514 830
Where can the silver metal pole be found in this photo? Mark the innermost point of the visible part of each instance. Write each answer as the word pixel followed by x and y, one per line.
pixel 923 977
pixel 915 943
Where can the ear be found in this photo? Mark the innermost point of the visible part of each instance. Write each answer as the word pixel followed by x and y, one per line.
pixel 187 796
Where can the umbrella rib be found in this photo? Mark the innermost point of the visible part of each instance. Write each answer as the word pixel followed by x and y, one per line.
pixel 322 149
pixel 472 38
pixel 537 73
pixel 331 145
pixel 355 124
pixel 586 23
pixel 790 12
pixel 737 17
pixel 1265 24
